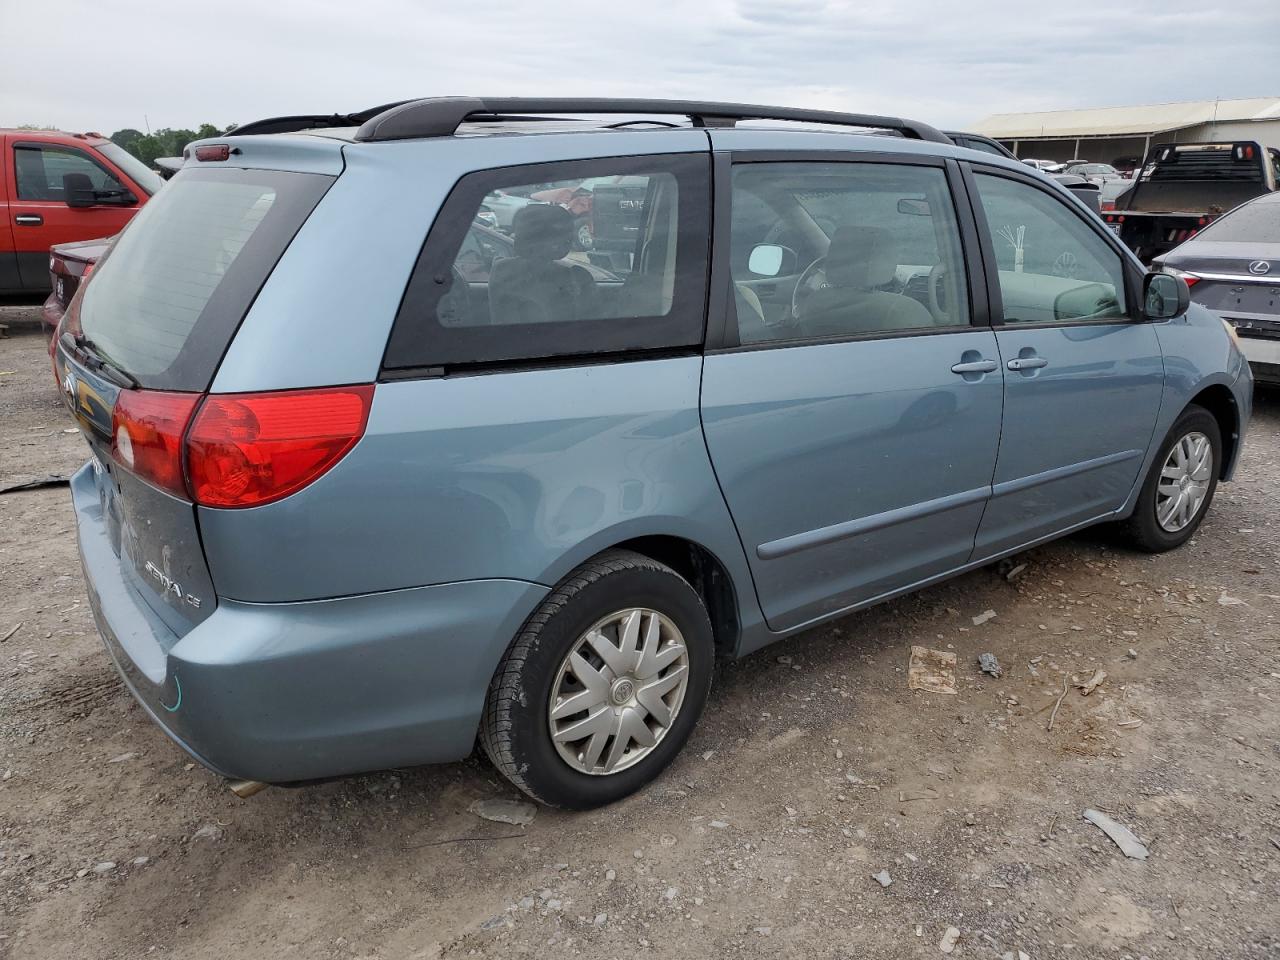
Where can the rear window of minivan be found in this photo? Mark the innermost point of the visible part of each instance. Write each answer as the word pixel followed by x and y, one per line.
pixel 166 300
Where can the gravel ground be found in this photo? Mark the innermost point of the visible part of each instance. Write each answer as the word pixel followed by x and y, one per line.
pixel 814 768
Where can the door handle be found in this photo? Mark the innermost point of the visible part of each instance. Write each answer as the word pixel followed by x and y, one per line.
pixel 28 219
pixel 975 366
pixel 1027 363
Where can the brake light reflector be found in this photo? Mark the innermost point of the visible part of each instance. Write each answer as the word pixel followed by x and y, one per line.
pixel 146 435
pixel 244 450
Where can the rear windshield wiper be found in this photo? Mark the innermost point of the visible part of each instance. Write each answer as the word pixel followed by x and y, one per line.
pixel 94 356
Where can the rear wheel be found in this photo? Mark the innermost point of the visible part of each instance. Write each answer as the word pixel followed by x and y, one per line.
pixel 1180 484
pixel 603 685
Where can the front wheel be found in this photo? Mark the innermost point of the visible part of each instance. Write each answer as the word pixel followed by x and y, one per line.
pixel 1180 484
pixel 603 685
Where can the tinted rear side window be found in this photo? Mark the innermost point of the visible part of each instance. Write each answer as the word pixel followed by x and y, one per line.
pixel 166 300
pixel 1257 222
pixel 561 259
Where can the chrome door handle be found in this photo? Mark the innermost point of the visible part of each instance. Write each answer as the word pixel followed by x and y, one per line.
pixel 976 366
pixel 28 219
pixel 1027 363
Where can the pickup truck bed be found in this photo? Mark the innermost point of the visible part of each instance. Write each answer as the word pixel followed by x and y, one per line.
pixel 1183 187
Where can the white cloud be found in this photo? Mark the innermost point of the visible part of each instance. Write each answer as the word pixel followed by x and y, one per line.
pixel 105 67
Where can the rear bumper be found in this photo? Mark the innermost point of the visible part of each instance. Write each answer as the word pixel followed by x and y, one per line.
pixel 301 691
pixel 1264 358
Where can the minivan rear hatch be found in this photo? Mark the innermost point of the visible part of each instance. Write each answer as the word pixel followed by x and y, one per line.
pixel 140 344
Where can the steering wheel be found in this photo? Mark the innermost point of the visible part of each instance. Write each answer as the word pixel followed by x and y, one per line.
pixel 936 310
pixel 812 279
pixel 1066 265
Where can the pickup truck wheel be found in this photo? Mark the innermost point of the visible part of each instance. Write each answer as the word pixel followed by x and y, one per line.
pixel 1180 484
pixel 603 685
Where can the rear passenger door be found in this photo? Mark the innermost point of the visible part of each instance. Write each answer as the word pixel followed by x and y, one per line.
pixel 854 434
pixel 1083 373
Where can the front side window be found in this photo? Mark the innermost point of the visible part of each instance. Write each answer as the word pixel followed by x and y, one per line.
pixel 595 256
pixel 821 250
pixel 39 172
pixel 141 174
pixel 1052 266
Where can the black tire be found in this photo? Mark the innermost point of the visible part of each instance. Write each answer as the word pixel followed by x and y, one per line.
pixel 1143 529
pixel 515 729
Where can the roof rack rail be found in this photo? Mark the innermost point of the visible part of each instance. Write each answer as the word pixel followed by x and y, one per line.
pixel 310 121
pixel 441 116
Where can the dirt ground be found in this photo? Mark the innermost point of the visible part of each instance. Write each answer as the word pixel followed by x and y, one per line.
pixel 814 768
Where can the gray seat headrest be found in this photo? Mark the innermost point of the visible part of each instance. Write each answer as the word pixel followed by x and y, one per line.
pixel 861 257
pixel 543 231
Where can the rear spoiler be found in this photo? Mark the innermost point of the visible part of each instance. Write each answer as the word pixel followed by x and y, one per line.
pixel 310 121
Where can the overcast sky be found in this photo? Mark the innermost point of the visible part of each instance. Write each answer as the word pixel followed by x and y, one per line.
pixel 83 65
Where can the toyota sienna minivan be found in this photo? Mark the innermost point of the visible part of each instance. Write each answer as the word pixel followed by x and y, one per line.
pixel 366 487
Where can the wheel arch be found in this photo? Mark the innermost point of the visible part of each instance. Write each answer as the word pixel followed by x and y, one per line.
pixel 1218 399
pixel 712 561
pixel 705 573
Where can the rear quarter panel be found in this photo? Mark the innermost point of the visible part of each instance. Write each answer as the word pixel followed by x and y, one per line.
pixel 518 475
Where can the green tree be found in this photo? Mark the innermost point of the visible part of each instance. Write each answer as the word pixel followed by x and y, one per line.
pixel 126 138
pixel 165 142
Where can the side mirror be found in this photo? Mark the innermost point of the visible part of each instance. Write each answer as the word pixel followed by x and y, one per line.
pixel 1164 296
pixel 772 260
pixel 77 190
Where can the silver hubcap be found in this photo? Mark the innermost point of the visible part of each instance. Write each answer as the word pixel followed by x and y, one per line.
pixel 618 691
pixel 1184 482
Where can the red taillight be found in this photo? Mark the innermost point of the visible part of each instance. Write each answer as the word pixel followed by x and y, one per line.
pixel 1108 205
pixel 146 435
pixel 1191 279
pixel 248 449
pixel 88 269
pixel 217 151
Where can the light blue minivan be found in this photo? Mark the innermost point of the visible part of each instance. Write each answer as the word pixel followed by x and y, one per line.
pixel 377 473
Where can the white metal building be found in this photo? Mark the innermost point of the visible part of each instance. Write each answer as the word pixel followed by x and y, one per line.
pixel 1111 133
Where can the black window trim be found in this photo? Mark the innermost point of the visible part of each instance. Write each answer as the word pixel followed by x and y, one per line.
pixel 17 145
pixel 484 179
pixel 1132 275
pixel 722 326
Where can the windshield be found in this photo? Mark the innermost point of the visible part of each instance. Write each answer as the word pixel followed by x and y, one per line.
pixel 135 169
pixel 1257 222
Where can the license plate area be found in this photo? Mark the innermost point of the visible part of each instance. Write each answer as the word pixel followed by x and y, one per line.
pixel 1253 298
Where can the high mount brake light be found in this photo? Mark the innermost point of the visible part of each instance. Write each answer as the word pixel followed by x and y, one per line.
pixel 244 450
pixel 216 151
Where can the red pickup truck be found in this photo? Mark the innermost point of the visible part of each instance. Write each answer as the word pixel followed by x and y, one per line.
pixel 57 187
